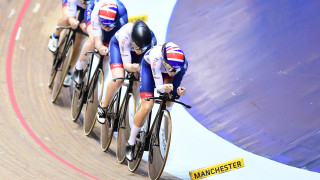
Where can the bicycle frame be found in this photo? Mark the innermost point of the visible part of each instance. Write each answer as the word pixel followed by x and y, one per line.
pixel 164 98
pixel 71 34
pixel 92 78
pixel 131 78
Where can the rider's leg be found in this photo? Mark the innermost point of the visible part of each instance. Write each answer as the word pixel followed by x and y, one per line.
pixel 63 21
pixel 75 55
pixel 113 86
pixel 138 120
pixel 87 46
pixel 117 70
pixel 136 91
pixel 146 90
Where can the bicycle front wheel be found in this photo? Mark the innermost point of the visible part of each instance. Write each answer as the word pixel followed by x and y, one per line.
pixel 93 100
pixel 62 71
pixel 79 96
pixel 77 102
pixel 57 57
pixel 124 127
pixel 108 128
pixel 159 147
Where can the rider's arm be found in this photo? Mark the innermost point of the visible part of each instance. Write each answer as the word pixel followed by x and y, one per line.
pixel 131 67
pixel 96 27
pixel 124 39
pixel 155 61
pixel 123 14
pixel 103 50
pixel 178 78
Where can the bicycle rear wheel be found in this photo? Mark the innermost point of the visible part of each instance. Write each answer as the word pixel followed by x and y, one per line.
pixel 62 71
pixel 57 56
pixel 93 100
pixel 108 128
pixel 124 127
pixel 159 147
pixel 78 97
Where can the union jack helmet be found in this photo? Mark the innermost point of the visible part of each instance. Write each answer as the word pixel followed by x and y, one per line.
pixel 173 57
pixel 107 14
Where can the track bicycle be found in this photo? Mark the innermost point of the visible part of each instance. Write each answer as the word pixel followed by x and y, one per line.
pixel 89 92
pixel 62 60
pixel 115 113
pixel 155 137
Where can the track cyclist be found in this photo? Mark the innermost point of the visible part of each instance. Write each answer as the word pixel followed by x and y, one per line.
pixel 69 13
pixel 127 48
pixel 103 19
pixel 163 68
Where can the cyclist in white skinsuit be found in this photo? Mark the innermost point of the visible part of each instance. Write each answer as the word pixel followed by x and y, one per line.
pixel 69 9
pixel 163 68
pixel 103 18
pixel 69 13
pixel 127 48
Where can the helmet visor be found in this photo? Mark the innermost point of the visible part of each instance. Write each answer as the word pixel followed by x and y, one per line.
pixel 112 25
pixel 170 68
pixel 138 48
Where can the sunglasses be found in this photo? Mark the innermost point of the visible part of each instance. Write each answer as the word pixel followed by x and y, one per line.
pixel 109 26
pixel 138 48
pixel 170 68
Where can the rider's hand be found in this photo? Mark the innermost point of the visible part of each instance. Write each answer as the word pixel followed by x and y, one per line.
pixel 73 23
pixel 168 88
pixel 103 50
pixel 135 67
pixel 83 27
pixel 181 91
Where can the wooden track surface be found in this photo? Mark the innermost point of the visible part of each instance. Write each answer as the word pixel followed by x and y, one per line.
pixel 21 156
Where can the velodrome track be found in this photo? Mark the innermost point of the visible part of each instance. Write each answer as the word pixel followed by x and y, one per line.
pixel 40 141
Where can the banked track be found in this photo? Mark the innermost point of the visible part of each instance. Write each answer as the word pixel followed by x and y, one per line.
pixel 38 138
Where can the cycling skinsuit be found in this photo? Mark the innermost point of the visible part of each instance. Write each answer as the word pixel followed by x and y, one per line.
pixel 73 7
pixel 88 11
pixel 120 20
pixel 121 49
pixel 153 73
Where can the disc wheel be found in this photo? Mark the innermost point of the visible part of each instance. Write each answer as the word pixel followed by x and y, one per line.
pixel 108 128
pixel 62 71
pixel 57 56
pixel 93 100
pixel 159 147
pixel 124 127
